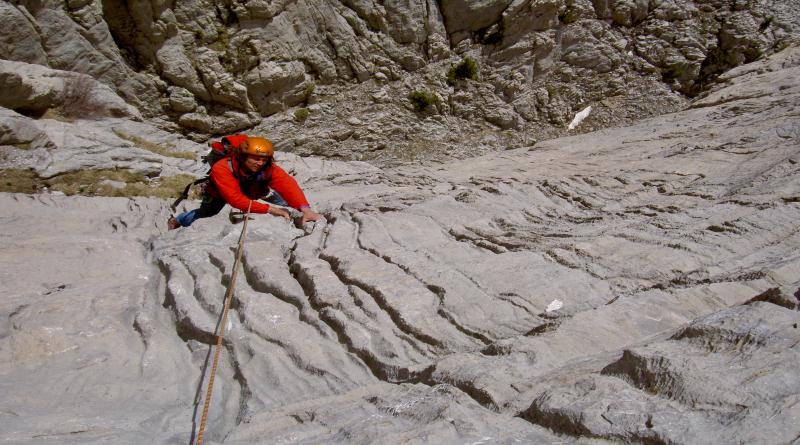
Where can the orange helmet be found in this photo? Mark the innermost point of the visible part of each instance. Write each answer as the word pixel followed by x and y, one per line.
pixel 256 146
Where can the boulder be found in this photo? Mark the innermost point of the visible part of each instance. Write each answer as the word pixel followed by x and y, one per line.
pixel 21 131
pixel 225 123
pixel 181 100
pixel 222 86
pixel 274 86
pixel 35 89
pixel 464 16
pixel 592 45
pixel 628 12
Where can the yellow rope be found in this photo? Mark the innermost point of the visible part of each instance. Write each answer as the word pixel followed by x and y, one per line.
pixel 218 347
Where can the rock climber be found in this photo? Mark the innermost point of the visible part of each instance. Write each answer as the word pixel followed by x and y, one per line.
pixel 249 173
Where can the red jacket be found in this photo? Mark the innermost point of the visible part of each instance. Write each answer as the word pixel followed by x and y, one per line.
pixel 238 190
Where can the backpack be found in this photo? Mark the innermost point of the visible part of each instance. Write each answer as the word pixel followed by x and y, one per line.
pixel 219 150
pixel 222 148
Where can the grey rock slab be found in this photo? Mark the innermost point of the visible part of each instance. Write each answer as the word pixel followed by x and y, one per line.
pixel 754 81
pixel 27 85
pixel 413 306
pixel 21 131
pixel 227 122
pixel 512 371
pixel 178 68
pixel 390 414
pixel 735 366
pixel 573 285
pixel 110 143
pixel 88 353
pixel 362 324
pixel 20 36
pixel 182 100
pixel 274 334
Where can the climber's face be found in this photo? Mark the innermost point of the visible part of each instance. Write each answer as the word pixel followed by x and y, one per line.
pixel 255 163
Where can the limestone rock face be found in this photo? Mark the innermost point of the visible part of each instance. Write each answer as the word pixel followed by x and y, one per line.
pixel 225 123
pixel 178 69
pixel 266 57
pixel 274 86
pixel 651 388
pixel 19 37
pixel 181 100
pixel 75 37
pixel 51 146
pixel 53 322
pixel 462 17
pixel 17 130
pixel 637 284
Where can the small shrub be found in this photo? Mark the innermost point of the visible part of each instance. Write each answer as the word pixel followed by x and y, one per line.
pixel 552 91
pixel 466 69
pixel 752 54
pixel 76 100
pixel 310 90
pixel 222 41
pixel 421 99
pixel 569 15
pixel 672 73
pixel 716 57
pixel 301 114
pixel 765 24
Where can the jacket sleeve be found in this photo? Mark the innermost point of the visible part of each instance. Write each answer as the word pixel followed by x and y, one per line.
pixel 229 189
pixel 284 184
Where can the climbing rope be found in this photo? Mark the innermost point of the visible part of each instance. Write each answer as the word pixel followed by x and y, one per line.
pixel 221 336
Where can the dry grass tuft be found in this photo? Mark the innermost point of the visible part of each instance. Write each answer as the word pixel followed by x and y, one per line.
pixel 162 150
pixel 95 183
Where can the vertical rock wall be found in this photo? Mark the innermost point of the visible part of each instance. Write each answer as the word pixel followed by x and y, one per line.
pixel 540 59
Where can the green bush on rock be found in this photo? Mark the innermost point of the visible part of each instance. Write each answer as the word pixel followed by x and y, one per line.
pixel 466 69
pixel 421 99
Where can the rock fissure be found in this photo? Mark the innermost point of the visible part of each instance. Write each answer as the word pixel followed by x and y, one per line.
pixel 380 299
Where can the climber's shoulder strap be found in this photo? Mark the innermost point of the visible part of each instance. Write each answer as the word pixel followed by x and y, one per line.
pixel 185 193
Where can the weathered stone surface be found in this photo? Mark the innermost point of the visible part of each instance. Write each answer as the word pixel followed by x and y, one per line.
pixel 26 90
pixel 464 16
pixel 274 86
pixel 732 367
pixel 35 89
pixel 19 37
pixel 181 100
pixel 226 123
pixel 178 69
pixel 86 313
pixel 90 49
pixel 591 45
pixel 52 147
pixel 21 131
pixel 626 285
